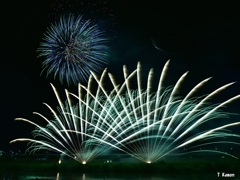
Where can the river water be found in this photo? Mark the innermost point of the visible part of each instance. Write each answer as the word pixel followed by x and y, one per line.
pixel 102 176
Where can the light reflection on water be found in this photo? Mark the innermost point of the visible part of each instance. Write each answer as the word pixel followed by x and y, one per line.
pixel 80 176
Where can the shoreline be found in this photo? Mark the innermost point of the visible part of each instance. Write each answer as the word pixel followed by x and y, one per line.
pixel 98 166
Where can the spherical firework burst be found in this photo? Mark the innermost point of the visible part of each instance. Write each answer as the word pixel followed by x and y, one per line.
pixel 146 124
pixel 72 48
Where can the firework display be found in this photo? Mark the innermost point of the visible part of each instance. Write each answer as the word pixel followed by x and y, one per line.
pixel 72 48
pixel 148 124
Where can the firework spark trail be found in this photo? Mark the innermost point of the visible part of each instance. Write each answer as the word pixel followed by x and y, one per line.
pixel 182 104
pixel 119 98
pixel 105 117
pixel 97 131
pixel 166 110
pixel 145 124
pixel 126 107
pixel 105 122
pixel 205 135
pixel 123 105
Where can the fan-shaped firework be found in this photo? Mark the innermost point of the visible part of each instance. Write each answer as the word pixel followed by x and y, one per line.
pixel 82 117
pixel 146 124
pixel 73 47
pixel 150 125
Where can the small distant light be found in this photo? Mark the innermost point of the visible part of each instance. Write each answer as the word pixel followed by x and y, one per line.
pixel 84 162
pixel 149 162
pixel 59 162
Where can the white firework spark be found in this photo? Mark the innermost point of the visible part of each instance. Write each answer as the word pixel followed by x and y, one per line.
pixel 145 124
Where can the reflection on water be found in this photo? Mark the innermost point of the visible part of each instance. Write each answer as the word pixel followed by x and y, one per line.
pixel 80 176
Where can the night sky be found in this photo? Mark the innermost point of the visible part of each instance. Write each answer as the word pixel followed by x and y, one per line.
pixel 203 39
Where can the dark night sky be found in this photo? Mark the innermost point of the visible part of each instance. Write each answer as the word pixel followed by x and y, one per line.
pixel 201 38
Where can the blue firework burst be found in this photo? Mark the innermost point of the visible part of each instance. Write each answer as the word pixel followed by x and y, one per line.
pixel 73 47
